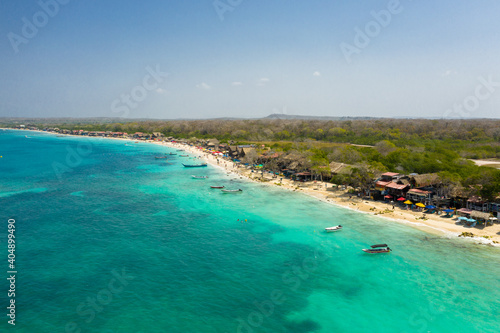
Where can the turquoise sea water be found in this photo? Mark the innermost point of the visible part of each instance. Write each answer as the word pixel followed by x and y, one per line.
pixel 110 239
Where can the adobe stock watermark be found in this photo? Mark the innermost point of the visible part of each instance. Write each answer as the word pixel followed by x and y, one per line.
pixel 30 28
pixel 88 310
pixel 421 319
pixel 292 280
pixel 150 82
pixel 74 158
pixel 223 6
pixel 372 29
pixel 471 103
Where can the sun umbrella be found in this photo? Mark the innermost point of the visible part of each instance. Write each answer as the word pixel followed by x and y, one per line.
pixel 448 210
pixel 408 202
pixel 462 218
pixel 388 196
pixel 419 204
pixel 471 220
pixel 430 207
pixel 401 199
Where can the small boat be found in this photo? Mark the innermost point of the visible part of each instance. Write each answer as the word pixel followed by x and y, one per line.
pixel 184 155
pixel 173 153
pixel 195 165
pixel 158 157
pixel 199 177
pixel 180 149
pixel 332 229
pixel 232 191
pixel 378 248
pixel 217 186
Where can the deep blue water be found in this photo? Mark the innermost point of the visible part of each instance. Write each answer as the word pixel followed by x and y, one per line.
pixel 110 239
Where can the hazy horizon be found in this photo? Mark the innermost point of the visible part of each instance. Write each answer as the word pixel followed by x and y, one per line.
pixel 249 59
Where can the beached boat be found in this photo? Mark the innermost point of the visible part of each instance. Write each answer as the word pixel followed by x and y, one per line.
pixel 217 186
pixel 378 248
pixel 232 191
pixel 333 229
pixel 199 177
pixel 195 165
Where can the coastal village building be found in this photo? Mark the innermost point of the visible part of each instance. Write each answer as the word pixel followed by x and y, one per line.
pixel 141 136
pixel 246 151
pixel 416 195
pixel 233 152
pixel 212 144
pixel 476 203
pixel 157 136
pixel 390 185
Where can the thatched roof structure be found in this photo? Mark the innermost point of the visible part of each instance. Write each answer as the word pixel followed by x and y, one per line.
pixel 479 215
pixel 293 165
pixel 246 151
pixel 335 167
pixel 426 179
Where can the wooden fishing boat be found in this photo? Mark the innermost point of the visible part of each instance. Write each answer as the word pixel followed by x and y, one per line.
pixel 232 191
pixel 195 165
pixel 217 186
pixel 199 177
pixel 378 248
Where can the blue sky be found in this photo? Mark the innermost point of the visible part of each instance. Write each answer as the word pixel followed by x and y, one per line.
pixel 247 58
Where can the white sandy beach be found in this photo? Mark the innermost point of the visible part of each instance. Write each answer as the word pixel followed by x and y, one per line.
pixel 432 223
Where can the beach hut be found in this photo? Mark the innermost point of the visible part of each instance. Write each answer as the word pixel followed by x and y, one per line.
pixel 304 176
pixel 419 195
pixel 464 211
pixel 476 203
pixel 481 217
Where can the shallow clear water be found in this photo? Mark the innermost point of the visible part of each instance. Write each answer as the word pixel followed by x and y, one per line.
pixel 110 239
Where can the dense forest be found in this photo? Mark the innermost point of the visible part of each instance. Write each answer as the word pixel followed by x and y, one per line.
pixel 369 146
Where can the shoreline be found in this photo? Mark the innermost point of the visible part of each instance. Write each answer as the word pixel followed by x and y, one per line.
pixel 432 224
